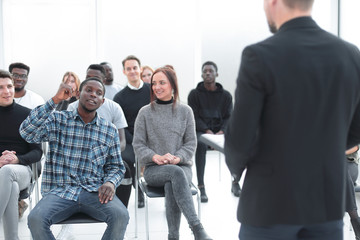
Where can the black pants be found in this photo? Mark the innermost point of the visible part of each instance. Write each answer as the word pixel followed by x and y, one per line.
pixel 123 192
pixel 352 174
pixel 200 161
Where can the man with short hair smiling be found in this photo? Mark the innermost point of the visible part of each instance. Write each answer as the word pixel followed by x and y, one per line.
pixel 85 165
pixel 24 97
pixel 112 112
pixel 16 156
pixel 133 97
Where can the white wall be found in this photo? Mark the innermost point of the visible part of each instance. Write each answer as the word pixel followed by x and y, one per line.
pixel 55 36
pixel 350 21
pixel 1 37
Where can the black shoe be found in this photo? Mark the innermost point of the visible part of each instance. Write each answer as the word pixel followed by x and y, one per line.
pixel 203 195
pixel 141 202
pixel 199 233
pixel 235 189
pixel 356 226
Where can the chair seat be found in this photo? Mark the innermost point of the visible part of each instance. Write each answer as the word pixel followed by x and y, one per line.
pixel 79 218
pixel 156 192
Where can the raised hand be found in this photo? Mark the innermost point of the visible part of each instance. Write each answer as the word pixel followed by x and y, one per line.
pixel 64 93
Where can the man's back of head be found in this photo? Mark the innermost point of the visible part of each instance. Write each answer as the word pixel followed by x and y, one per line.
pixel 280 11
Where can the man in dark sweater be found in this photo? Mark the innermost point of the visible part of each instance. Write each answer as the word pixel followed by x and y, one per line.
pixel 133 97
pixel 16 156
pixel 212 106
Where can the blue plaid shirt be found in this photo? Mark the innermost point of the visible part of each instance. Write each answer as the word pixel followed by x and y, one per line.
pixel 81 156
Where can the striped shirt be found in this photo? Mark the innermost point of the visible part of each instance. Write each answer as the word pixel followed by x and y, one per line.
pixel 81 156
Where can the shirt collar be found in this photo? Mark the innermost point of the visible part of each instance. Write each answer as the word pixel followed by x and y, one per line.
pixel 77 116
pixel 135 88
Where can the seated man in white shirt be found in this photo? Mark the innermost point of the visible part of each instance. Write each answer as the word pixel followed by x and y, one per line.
pixel 24 97
pixel 111 88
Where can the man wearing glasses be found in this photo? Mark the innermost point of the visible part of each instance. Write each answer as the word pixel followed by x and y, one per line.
pixel 24 97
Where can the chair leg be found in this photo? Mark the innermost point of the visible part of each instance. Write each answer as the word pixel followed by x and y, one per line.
pixel 220 166
pixel 146 216
pixel 199 205
pixel 136 195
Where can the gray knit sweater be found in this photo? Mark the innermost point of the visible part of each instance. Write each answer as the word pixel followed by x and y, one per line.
pixel 162 130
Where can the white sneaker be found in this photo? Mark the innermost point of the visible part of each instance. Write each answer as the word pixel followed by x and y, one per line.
pixel 65 233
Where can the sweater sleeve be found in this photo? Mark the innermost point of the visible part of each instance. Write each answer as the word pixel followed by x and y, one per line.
pixel 193 102
pixel 33 155
pixel 186 152
pixel 143 153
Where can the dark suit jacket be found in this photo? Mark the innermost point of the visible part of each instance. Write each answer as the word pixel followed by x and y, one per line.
pixel 296 111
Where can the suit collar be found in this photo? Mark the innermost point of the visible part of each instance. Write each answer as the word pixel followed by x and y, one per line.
pixel 300 22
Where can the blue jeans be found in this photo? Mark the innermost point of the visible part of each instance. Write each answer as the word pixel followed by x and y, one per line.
pixel 324 231
pixel 52 209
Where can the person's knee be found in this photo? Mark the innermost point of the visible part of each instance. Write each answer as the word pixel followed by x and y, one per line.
pixel 6 172
pixel 201 146
pixel 120 214
pixel 35 220
pixel 178 173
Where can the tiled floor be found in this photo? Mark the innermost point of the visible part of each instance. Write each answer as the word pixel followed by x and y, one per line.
pixel 218 215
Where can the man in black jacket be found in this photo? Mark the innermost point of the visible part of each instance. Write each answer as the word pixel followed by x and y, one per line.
pixel 212 106
pixel 297 109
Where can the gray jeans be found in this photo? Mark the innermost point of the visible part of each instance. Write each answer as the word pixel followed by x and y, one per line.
pixel 13 179
pixel 178 199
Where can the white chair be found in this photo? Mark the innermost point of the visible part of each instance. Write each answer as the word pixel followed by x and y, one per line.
pixel 155 192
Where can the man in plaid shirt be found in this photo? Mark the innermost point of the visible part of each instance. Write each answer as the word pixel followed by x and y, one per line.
pixel 84 164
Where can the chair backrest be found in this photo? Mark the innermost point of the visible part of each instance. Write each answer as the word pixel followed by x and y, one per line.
pixel 36 171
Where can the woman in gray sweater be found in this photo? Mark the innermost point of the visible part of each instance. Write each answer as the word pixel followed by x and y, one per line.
pixel 165 142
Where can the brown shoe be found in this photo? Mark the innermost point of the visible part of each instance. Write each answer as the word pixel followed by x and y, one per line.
pixel 22 208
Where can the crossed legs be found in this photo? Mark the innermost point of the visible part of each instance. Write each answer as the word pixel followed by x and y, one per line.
pixel 13 178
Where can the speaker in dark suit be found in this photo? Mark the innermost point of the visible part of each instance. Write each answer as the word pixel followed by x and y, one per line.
pixel 296 112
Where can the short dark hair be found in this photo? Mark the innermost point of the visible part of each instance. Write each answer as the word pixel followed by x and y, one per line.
pixel 105 63
pixel 97 67
pixel 209 63
pixel 6 74
pixel 303 5
pixel 19 65
pixel 92 79
pixel 131 57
